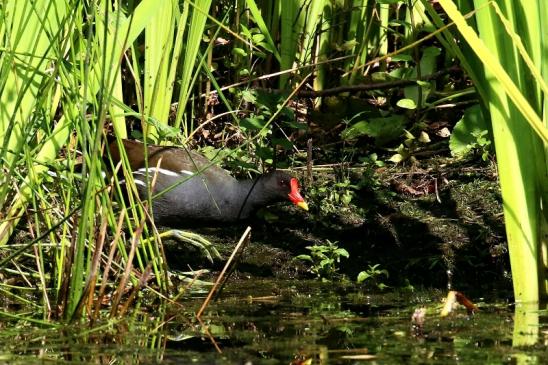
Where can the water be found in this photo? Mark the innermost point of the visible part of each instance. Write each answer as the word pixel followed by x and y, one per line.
pixel 288 322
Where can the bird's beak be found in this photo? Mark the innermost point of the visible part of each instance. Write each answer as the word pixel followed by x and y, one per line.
pixel 295 195
pixel 303 205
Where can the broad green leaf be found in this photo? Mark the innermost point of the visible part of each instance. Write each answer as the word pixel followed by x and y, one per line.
pixel 252 123
pixel 249 96
pixel 397 158
pixel 462 138
pixel 362 276
pixel 407 104
pixel 264 153
pixel 383 130
pixel 342 252
pixel 239 51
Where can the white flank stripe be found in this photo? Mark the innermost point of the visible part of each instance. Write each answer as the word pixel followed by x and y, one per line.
pixel 139 182
pixel 186 172
pixel 160 171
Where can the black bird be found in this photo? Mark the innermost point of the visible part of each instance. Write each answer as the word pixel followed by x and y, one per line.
pixel 189 188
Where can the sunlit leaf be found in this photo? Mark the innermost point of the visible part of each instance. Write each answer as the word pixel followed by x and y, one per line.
pixel 406 104
pixel 462 138
pixel 424 137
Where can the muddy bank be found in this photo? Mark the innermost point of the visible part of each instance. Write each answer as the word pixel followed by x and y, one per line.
pixel 419 223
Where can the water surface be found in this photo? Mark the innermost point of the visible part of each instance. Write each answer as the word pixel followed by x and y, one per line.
pixel 284 322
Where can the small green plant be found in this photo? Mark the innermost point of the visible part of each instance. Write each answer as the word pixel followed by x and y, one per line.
pixel 324 259
pixel 482 144
pixel 409 146
pixel 373 276
pixel 471 135
pixel 331 197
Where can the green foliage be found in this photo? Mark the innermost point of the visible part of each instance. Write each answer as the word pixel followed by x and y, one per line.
pixel 256 38
pixel 373 276
pixel 324 259
pixel 60 99
pixel 409 146
pixel 514 90
pixel 471 134
pixel 260 132
pixel 383 130
pixel 418 95
pixel 330 196
pixel 144 69
pixel 482 144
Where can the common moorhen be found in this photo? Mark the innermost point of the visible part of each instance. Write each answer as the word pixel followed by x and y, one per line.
pixel 189 188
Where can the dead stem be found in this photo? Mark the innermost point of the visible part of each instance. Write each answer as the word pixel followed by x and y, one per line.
pixel 113 246
pixel 243 239
pixel 129 264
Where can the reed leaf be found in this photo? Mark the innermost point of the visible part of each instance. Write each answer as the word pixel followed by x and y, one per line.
pixel 258 17
pixel 158 52
pixel 520 133
pixel 200 9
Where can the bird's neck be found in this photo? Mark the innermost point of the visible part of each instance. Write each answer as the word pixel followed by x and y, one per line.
pixel 250 196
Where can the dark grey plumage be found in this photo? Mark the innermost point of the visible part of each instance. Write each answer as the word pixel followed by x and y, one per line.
pixel 190 189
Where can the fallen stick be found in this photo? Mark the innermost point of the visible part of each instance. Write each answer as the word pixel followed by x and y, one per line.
pixel 221 275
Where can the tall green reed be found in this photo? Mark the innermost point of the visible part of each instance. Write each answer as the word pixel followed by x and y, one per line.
pixel 61 75
pixel 510 49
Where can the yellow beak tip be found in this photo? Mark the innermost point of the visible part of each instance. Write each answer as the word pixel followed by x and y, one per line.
pixel 303 205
